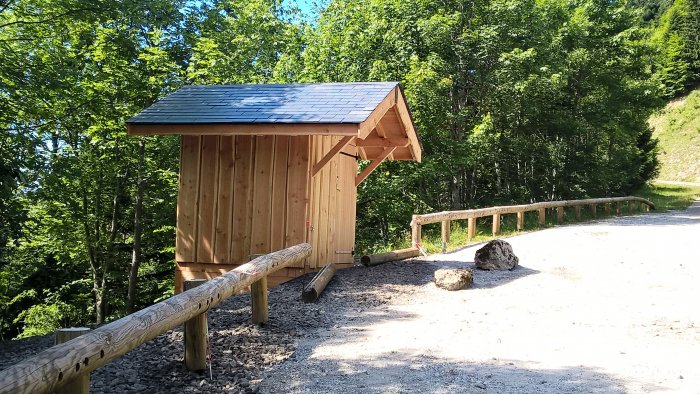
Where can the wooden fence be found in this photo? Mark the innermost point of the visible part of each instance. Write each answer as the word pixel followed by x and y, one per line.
pixel 472 214
pixel 61 364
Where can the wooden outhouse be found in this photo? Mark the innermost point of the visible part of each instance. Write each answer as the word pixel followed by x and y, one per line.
pixel 264 167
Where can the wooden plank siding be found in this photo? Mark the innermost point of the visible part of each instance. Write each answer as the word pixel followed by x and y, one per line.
pixel 243 195
pixel 185 244
pixel 208 188
pixel 224 203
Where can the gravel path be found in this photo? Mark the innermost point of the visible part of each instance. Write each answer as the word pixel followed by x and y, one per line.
pixel 606 306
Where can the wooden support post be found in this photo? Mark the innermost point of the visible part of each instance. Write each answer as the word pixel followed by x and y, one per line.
pixel 577 209
pixel 542 216
pixel 196 335
pixel 471 229
pixel 415 232
pixel 618 208
pixel 607 209
pixel 445 233
pixel 521 220
pixel 81 383
pixel 496 227
pixel 594 211
pixel 258 299
pixel 560 215
pixel 313 290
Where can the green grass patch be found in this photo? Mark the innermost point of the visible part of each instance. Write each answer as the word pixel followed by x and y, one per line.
pixel 669 197
pixel 677 128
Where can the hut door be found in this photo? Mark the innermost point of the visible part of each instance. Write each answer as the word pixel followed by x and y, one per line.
pixel 345 206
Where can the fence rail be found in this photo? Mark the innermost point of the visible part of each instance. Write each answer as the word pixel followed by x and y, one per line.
pixel 472 214
pixel 58 365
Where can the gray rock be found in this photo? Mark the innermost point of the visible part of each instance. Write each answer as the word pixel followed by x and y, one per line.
pixel 454 279
pixel 496 255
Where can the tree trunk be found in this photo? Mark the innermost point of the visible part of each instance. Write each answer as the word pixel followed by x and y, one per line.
pixel 138 230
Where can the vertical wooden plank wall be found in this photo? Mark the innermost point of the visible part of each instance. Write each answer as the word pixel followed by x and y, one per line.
pixel 246 195
pixel 332 205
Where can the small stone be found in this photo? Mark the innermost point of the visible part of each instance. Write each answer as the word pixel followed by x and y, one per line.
pixel 480 386
pixel 244 383
pixel 202 383
pixel 454 279
pixel 496 255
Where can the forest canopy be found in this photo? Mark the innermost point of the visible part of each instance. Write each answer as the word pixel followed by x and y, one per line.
pixel 514 100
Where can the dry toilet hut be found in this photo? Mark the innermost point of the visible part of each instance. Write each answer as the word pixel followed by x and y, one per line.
pixel 264 167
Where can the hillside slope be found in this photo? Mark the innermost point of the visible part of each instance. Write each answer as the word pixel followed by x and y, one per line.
pixel 678 129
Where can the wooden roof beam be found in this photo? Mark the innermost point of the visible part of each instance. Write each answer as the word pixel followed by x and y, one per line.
pixel 382 133
pixel 373 165
pixel 245 129
pixel 384 142
pixel 376 116
pixel 331 154
pixel 405 117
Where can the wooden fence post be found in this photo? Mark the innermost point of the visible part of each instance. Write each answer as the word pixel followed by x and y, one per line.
pixel 415 232
pixel 445 233
pixel 607 209
pixel 471 228
pixel 81 384
pixel 577 208
pixel 521 220
pixel 258 297
pixel 560 215
pixel 542 216
pixel 594 211
pixel 618 208
pixel 496 227
pixel 196 335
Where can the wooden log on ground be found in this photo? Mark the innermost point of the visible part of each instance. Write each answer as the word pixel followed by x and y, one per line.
pixel 471 229
pixel 521 221
pixel 560 215
pixel 496 226
pixel 445 234
pixel 314 289
pixel 542 216
pixel 54 367
pixel 376 259
pixel 81 384
pixel 195 334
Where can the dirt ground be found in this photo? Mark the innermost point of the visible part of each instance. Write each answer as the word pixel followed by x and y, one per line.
pixel 600 307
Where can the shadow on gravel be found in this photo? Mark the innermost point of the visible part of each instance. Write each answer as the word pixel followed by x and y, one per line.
pixel 408 373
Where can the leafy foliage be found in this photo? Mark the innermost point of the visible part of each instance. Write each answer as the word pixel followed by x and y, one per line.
pixel 514 100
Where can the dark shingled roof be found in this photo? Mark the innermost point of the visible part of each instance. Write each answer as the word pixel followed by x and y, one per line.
pixel 294 103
